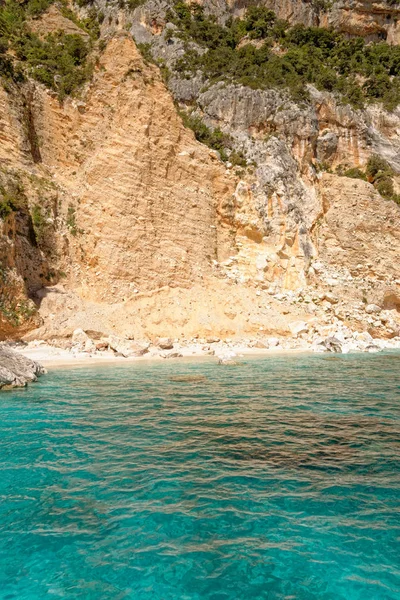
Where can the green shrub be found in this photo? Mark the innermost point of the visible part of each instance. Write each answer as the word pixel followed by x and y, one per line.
pixel 12 198
pixel 259 22
pixel 238 159
pixel 145 51
pixel 377 167
pixel 6 208
pixel 213 138
pixel 132 4
pixel 84 3
pixel 6 67
pixel 38 222
pixel 355 173
pixel 380 173
pixel 35 7
pixel 3 45
pixel 60 61
pixel 90 24
pixel 385 187
pixel 71 220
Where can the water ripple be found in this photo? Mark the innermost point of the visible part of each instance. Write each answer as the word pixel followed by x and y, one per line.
pixel 278 479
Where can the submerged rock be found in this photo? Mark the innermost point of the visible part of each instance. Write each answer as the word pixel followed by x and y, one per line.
pixel 228 358
pixel 228 362
pixel 373 348
pixel 17 370
pixel 188 378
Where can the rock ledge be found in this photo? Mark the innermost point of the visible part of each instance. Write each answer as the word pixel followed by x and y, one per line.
pixel 17 370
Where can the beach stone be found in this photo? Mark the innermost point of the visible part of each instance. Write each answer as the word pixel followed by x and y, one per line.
pixel 259 344
pixel 227 358
pixel 298 327
pixel 363 336
pixel 102 345
pixel 317 266
pixel 165 343
pixel 228 362
pixel 82 341
pixel 127 348
pixel 17 370
pixel 373 348
pixel 332 344
pixel 79 337
pixel 372 308
pixel 171 355
pixel 9 379
pixel 330 298
pixel 94 334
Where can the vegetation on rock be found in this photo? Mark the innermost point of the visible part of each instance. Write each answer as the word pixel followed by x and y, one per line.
pixel 380 174
pixel 213 138
pixel 59 61
pixel 262 51
pixel 12 198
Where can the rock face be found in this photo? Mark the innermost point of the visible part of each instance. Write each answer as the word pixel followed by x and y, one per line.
pixel 374 20
pixel 128 226
pixel 145 193
pixel 16 370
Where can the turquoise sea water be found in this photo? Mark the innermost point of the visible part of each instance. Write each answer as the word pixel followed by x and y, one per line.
pixel 276 479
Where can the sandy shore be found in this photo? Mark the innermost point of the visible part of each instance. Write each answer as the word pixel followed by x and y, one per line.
pixel 54 357
pixel 51 357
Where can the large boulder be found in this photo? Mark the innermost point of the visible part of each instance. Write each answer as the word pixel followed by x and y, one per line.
pixel 298 327
pixel 227 357
pixel 332 344
pixel 17 370
pixel 127 348
pixel 81 341
pixel 165 343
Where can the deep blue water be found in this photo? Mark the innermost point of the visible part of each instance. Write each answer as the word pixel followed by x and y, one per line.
pixel 276 479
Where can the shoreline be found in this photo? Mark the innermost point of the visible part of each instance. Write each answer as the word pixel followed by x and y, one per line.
pixel 52 357
pixel 65 359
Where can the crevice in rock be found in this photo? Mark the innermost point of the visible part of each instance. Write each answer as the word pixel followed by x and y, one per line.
pixel 31 129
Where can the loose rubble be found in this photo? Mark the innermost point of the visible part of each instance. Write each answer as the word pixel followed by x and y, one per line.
pixel 311 336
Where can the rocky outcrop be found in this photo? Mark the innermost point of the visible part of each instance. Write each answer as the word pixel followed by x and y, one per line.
pixel 16 370
pixel 360 230
pixel 53 20
pixel 373 20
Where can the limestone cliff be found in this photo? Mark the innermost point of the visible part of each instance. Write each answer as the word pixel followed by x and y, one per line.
pixel 372 20
pixel 143 193
pixel 116 220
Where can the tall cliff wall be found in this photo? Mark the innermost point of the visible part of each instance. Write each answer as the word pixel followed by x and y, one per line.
pixel 122 222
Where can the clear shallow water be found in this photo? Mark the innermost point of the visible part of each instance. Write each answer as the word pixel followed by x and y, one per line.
pixel 276 479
